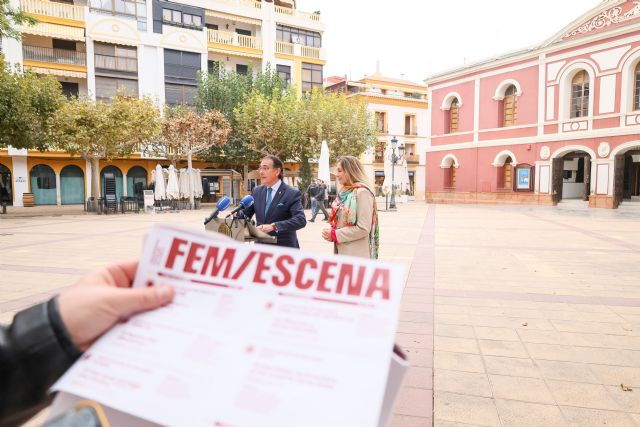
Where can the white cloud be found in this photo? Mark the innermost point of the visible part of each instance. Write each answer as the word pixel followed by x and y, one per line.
pixel 418 38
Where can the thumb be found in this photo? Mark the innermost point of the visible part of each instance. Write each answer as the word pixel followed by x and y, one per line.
pixel 128 301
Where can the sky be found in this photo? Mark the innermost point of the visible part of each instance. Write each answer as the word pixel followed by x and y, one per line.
pixel 418 38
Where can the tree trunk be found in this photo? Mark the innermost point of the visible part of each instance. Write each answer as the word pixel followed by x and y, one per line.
pixel 190 175
pixel 95 181
pixel 245 176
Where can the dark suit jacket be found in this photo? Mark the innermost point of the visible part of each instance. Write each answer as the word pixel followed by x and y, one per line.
pixel 285 211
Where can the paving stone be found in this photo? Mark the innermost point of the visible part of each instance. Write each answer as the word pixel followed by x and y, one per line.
pixel 471 383
pixel 525 414
pixel 519 388
pixel 584 417
pixel 465 409
pixel 502 348
pixel 511 366
pixel 458 361
pixel 584 395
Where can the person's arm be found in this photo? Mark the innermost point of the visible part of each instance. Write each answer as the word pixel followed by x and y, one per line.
pixel 364 214
pixel 43 341
pixel 298 219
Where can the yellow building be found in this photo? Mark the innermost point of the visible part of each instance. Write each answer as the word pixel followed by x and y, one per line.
pixel 147 48
pixel 399 107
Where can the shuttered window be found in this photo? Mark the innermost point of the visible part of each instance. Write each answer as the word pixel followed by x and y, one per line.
pixel 636 89
pixel 453 116
pixel 580 95
pixel 510 106
pixel 108 87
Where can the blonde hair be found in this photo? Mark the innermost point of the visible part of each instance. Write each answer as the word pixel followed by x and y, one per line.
pixel 353 169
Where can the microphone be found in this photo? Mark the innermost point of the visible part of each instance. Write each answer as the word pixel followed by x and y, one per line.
pixel 222 205
pixel 247 201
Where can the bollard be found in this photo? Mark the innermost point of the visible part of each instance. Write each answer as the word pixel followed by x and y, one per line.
pixel 4 207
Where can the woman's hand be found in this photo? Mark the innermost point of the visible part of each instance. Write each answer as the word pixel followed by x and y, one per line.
pixel 103 298
pixel 326 234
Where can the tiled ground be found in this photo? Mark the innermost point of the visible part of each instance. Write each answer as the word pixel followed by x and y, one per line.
pixel 512 316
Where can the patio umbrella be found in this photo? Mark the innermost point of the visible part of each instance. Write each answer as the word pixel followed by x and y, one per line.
pixel 404 177
pixel 386 185
pixel 183 183
pixel 323 164
pixel 159 192
pixel 173 188
pixel 197 184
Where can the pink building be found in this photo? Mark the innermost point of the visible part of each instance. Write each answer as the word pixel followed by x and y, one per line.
pixel 556 122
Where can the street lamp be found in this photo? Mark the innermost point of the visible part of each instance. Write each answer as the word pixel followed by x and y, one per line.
pixel 394 159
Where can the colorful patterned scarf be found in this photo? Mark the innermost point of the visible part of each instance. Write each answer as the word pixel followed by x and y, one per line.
pixel 347 202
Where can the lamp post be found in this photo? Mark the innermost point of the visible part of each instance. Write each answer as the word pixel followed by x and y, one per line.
pixel 394 159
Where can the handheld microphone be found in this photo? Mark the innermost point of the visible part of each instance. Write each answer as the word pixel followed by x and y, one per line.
pixel 222 205
pixel 247 201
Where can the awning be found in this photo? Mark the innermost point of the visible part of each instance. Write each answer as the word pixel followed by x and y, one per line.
pixel 231 17
pixel 54 72
pixel 234 53
pixel 113 40
pixel 54 30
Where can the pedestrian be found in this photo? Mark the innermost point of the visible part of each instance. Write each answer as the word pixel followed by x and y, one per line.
pixel 43 341
pixel 311 193
pixel 354 217
pixel 319 197
pixel 277 206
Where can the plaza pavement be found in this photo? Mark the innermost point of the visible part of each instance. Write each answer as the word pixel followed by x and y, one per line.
pixel 511 316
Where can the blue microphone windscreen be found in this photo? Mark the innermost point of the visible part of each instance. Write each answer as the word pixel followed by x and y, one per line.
pixel 223 203
pixel 247 201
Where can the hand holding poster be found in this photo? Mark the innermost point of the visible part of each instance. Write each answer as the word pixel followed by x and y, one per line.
pixel 257 336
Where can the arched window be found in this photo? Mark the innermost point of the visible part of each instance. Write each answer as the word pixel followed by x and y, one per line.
pixel 636 88
pixel 509 115
pixel 580 95
pixel 450 177
pixel 507 174
pixel 453 116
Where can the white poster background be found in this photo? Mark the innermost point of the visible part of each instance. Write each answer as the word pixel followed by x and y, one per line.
pixel 241 351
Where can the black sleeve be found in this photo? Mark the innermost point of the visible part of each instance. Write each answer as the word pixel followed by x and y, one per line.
pixel 35 350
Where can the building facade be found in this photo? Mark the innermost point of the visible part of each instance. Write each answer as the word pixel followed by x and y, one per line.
pixel 556 122
pixel 152 48
pixel 400 110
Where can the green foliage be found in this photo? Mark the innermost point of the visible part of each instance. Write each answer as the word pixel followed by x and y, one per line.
pixel 105 130
pixel 224 92
pixel 26 104
pixel 11 18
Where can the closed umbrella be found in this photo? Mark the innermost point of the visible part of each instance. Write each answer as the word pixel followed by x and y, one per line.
pixel 386 185
pixel 183 184
pixel 159 192
pixel 324 172
pixel 173 188
pixel 404 177
pixel 197 185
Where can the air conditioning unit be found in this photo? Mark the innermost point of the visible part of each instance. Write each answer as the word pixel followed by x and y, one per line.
pixel 296 39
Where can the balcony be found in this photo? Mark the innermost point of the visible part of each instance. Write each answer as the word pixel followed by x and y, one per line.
pixel 310 52
pixel 249 3
pixel 230 39
pixel 116 63
pixel 298 13
pixel 54 56
pixel 284 48
pixel 412 159
pixel 43 9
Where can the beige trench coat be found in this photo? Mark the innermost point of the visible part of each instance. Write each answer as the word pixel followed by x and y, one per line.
pixel 354 240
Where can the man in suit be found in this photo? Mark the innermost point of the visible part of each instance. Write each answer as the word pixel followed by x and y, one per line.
pixel 277 207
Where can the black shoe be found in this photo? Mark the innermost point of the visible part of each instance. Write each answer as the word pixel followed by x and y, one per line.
pixel 311 220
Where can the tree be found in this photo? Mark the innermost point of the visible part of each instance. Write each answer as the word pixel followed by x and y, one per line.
pixel 225 91
pixel 10 18
pixel 186 133
pixel 27 102
pixel 294 128
pixel 99 130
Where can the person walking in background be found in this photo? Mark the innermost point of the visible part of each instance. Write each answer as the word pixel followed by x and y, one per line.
pixel 319 197
pixel 354 217
pixel 311 193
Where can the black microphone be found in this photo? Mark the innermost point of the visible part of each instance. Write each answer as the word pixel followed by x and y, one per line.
pixel 222 204
pixel 247 201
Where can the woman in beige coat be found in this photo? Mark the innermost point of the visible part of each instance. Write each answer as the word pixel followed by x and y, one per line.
pixel 354 218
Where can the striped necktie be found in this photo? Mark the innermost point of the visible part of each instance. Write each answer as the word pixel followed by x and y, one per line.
pixel 266 206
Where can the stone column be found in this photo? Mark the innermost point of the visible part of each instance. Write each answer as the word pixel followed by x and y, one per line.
pixel 58 190
pixel 124 185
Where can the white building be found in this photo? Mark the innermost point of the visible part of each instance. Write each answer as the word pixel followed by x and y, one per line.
pixel 150 48
pixel 400 110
